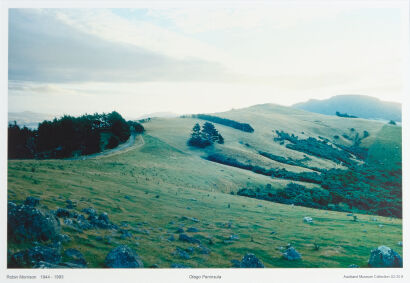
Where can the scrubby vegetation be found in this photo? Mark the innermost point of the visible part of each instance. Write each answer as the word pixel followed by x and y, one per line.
pixel 206 136
pixel 226 122
pixel 292 194
pixel 345 115
pixel 311 177
pixel 289 160
pixel 68 135
pixel 315 147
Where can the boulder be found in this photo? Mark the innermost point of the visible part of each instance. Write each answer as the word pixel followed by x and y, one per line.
pixel 75 256
pixel 384 257
pixel 234 237
pixel 32 201
pixel 291 254
pixel 251 261
pixel 89 211
pixel 29 223
pixel 32 256
pixel 192 230
pixel 181 253
pixel 180 230
pixel 123 257
pixel 11 205
pixel 353 266
pixel 186 238
pixel 308 219
pixel 62 213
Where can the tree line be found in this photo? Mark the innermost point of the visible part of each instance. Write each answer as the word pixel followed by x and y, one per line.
pixel 68 135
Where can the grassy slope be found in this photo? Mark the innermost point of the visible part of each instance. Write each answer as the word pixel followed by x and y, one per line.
pixel 190 186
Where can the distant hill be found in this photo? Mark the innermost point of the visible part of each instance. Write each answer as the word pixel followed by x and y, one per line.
pixel 357 105
pixel 28 118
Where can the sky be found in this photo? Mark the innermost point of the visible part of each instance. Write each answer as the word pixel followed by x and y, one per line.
pixel 200 59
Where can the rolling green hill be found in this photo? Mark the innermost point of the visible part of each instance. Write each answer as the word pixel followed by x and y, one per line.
pixel 162 184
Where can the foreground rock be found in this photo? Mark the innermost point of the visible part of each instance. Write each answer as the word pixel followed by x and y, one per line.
pixel 385 257
pixel 291 254
pixel 250 261
pixel 123 257
pixel 32 256
pixel 27 223
pixel 186 238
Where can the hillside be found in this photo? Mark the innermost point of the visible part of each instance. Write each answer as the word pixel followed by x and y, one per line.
pixel 163 184
pixel 357 105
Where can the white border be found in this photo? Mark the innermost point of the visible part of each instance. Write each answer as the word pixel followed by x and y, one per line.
pixel 324 275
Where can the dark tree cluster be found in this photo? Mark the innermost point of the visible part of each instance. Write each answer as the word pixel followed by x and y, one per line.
pixel 345 115
pixel 226 122
pixel 315 147
pixel 292 194
pixel 61 137
pixel 206 136
pixel 310 177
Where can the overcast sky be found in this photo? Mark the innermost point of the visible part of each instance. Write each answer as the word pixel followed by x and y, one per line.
pixel 203 59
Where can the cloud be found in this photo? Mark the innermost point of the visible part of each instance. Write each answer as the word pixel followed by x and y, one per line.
pixel 46 46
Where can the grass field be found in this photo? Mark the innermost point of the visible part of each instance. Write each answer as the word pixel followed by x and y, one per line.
pixel 151 187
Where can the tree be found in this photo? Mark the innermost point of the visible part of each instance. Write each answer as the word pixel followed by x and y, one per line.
pixel 205 137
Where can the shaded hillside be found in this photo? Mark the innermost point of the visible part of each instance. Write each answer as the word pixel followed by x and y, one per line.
pixel 357 105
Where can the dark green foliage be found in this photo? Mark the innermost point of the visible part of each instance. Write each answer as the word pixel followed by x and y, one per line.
pixel 289 160
pixel 205 137
pixel 21 142
pixel 61 137
pixel 366 188
pixel 291 194
pixel 113 142
pixel 138 128
pixel 344 115
pixel 314 147
pixel 392 122
pixel 311 177
pixel 226 122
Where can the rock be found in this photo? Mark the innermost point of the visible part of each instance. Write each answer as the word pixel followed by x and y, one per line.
pixel 384 257
pixel 203 250
pixel 75 256
pixel 68 221
pixel 308 219
pixel 63 238
pixel 32 256
pixel 273 232
pixel 11 205
pixel 251 261
pixel 123 257
pixel 234 237
pixel 125 233
pixel 181 253
pixel 381 225
pixel 89 211
pixel 179 265
pixel 192 230
pixel 28 223
pixel 62 213
pixel 353 266
pixel 236 263
pixel 180 230
pixel 32 201
pixel 400 244
pixel 104 217
pixel 194 219
pixel 186 238
pixel 171 238
pixel 291 254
